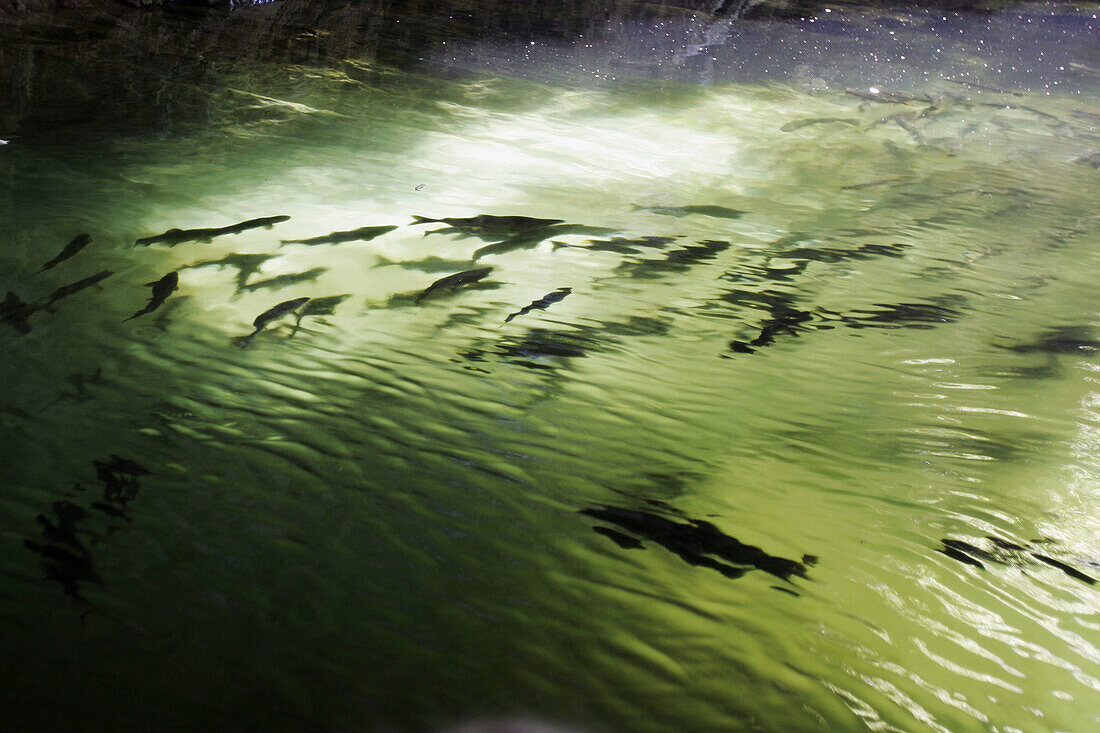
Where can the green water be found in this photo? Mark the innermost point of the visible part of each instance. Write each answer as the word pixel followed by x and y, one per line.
pixel 854 332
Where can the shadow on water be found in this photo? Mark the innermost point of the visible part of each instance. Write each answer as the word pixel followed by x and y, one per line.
pixel 64 552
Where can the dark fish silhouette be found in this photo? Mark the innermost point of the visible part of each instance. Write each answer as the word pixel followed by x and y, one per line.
pixel 1067 569
pixel 678 260
pixel 698 543
pixel 172 237
pixel 799 124
pixel 67 290
pixel 120 478
pixel 66 566
pixel 902 315
pixel 365 234
pixel 786 321
pixel 533 237
pixel 875 95
pixel 487 224
pixel 1065 340
pixel 542 303
pixel 271 314
pixel 65 530
pixel 161 290
pixel 15 313
pixel 452 282
pixel 79 242
pixel 281 281
pixel 720 212
pixel 619 245
pixel 1005 552
pixel 429 264
pixel 246 265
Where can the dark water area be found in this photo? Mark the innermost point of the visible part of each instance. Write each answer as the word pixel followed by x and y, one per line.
pixel 627 366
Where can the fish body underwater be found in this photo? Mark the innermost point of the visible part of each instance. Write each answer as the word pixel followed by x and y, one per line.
pixel 365 234
pixel 273 313
pixel 719 212
pixel 78 243
pixel 172 237
pixel 487 224
pixel 542 303
pixel 16 313
pixel 451 282
pixel 161 290
pixel 67 290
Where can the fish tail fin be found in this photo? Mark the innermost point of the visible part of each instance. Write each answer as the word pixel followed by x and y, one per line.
pixel 422 219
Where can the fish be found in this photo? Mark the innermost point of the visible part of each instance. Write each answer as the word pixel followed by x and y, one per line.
pixel 486 224
pixel 428 264
pixel 719 212
pixel 1062 340
pixel 542 303
pixel 534 237
pixel 799 124
pixel 452 282
pixel 273 313
pixel 67 290
pixel 1006 552
pixel 172 237
pixel 1068 570
pixel 161 290
pixel 1089 159
pixel 983 87
pixel 618 245
pixel 281 281
pixel 67 567
pixel 264 221
pixel 15 313
pixel 245 264
pixel 273 102
pixel 365 234
pixel 698 543
pixel 79 242
pixel 875 95
pixel 786 321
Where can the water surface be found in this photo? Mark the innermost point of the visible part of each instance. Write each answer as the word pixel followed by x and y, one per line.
pixel 783 417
